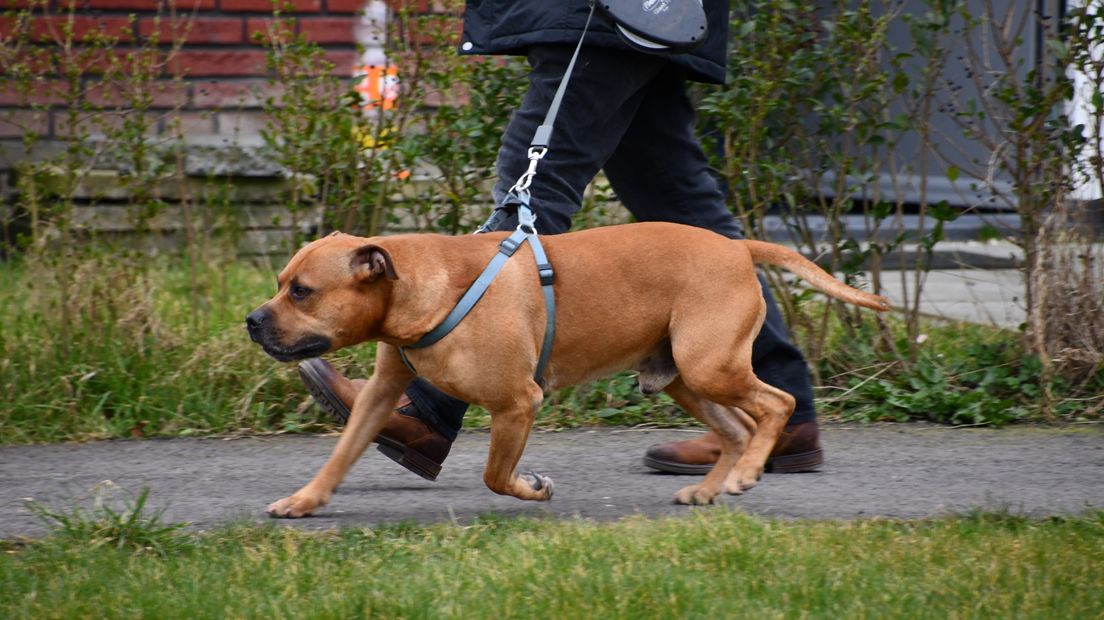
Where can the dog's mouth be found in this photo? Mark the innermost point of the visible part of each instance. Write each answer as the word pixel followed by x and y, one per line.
pixel 262 330
pixel 311 346
pixel 304 348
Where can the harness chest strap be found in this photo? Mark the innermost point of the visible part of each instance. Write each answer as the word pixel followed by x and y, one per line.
pixel 475 292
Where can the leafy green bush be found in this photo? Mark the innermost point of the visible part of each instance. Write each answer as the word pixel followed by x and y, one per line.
pixel 962 374
pixel 825 114
pixel 980 387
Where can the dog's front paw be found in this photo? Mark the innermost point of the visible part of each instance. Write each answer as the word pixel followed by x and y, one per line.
pixel 736 485
pixel 294 507
pixel 695 495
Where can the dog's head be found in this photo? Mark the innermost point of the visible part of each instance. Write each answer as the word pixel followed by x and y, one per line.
pixel 332 294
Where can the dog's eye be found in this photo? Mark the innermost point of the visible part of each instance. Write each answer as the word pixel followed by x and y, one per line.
pixel 298 293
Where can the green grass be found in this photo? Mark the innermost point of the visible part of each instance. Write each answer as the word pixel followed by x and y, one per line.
pixel 114 344
pixel 120 349
pixel 712 564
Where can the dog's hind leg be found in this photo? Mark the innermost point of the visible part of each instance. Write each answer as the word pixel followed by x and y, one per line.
pixel 733 427
pixel 511 421
pixel 719 368
pixel 370 411
pixel 771 408
pixel 736 386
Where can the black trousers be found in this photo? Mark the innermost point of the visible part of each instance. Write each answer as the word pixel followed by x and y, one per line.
pixel 629 114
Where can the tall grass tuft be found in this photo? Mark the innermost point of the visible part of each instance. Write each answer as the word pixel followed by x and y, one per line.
pixel 125 359
pixel 131 527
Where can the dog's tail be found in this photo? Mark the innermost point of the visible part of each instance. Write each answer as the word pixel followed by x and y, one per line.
pixel 780 256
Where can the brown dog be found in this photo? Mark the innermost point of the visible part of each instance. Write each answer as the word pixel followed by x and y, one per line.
pixel 679 304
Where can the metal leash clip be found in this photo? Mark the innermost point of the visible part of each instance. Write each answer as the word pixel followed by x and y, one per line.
pixel 526 179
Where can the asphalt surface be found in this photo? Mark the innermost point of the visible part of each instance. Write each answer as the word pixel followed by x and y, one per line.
pixel 909 470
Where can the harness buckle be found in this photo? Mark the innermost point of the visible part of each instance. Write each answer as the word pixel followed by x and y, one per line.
pixel 508 246
pixel 547 275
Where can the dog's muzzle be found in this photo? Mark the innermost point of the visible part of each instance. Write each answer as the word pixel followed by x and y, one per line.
pixel 261 330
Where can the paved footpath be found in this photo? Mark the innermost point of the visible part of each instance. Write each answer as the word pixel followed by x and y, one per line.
pixel 909 470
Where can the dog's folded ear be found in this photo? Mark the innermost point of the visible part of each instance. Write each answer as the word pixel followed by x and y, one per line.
pixel 371 262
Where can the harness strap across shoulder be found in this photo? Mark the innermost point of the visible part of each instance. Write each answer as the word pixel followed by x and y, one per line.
pixel 547 278
pixel 506 249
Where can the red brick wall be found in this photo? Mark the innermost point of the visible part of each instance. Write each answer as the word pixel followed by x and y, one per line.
pixel 215 82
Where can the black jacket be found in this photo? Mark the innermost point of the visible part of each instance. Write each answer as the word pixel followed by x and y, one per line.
pixel 511 26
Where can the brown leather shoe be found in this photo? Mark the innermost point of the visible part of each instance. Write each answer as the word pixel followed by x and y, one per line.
pixel 405 439
pixel 798 449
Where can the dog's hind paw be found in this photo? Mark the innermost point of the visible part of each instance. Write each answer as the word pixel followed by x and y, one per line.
pixel 538 482
pixel 739 481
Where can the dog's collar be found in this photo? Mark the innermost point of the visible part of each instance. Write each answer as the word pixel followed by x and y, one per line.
pixel 526 231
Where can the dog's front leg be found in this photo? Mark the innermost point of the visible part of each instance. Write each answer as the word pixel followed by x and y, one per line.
pixel 511 421
pixel 369 414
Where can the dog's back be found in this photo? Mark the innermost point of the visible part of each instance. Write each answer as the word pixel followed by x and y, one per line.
pixel 640 282
pixel 650 282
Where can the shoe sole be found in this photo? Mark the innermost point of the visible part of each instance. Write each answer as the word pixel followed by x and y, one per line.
pixel 788 464
pixel 394 450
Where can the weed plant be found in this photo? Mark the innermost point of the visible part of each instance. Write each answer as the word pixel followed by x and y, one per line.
pixel 961 374
pixel 131 527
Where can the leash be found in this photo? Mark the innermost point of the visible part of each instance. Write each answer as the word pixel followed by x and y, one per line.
pixel 518 195
pixel 517 198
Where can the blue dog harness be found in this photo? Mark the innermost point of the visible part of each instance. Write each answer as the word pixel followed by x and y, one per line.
pixel 517 197
pixel 524 232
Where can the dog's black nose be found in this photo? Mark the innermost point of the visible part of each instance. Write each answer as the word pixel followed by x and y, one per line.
pixel 254 320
